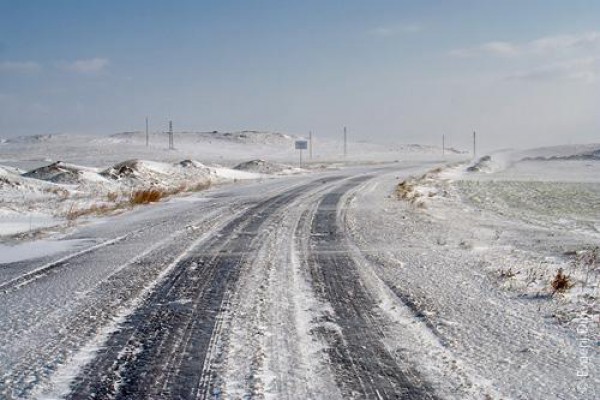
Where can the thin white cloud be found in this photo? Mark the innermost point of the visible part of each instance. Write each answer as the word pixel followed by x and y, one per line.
pixel 23 67
pixel 496 49
pixel 585 69
pixel 502 49
pixel 395 30
pixel 89 66
pixel 559 43
pixel 548 45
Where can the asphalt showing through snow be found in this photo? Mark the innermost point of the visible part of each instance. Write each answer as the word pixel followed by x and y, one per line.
pixel 364 368
pixel 162 348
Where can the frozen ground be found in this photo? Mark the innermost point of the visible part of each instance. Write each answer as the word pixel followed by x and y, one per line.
pixel 227 148
pixel 475 252
pixel 329 282
pixel 49 181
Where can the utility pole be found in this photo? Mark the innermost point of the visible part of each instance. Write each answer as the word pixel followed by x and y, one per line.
pixel 443 145
pixel 310 145
pixel 345 142
pixel 171 142
pixel 474 144
pixel 147 138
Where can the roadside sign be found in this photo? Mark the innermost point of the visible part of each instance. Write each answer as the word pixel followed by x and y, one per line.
pixel 301 145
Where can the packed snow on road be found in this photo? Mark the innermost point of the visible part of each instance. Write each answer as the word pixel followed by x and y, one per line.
pixel 223 269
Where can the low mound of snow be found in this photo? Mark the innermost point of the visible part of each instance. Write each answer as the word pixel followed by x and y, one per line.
pixel 11 179
pixel 7 171
pixel 33 138
pixel 266 167
pixel 8 175
pixel 242 137
pixel 191 164
pixel 489 164
pixel 565 152
pixel 58 191
pixel 420 148
pixel 484 164
pixel 259 137
pixel 139 170
pixel 593 155
pixel 69 174
pixel 151 173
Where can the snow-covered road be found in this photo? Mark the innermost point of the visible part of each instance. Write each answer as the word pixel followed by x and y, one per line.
pixel 171 301
pixel 264 290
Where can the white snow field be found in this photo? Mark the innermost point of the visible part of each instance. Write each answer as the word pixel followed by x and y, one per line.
pixel 475 249
pixel 392 273
pixel 49 180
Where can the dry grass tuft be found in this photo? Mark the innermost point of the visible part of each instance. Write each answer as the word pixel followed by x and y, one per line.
pixel 138 197
pixel 405 190
pixel 507 274
pixel 147 196
pixel 112 196
pixel 96 209
pixel 561 283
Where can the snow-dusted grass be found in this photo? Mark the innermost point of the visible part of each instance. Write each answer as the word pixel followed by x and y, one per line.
pixel 62 193
pixel 533 224
pixel 482 278
pixel 569 205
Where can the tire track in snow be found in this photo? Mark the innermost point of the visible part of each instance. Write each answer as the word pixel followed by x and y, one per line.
pixel 33 367
pixel 268 351
pixel 28 277
pixel 160 351
pixel 363 366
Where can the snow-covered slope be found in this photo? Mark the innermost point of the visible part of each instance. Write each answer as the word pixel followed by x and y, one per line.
pixel 58 192
pixel 225 148
pixel 267 167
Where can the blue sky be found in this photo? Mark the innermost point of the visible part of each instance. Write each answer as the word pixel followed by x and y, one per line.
pixel 521 73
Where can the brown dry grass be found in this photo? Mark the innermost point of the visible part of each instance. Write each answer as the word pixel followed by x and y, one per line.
pixel 95 209
pixel 561 282
pixel 138 197
pixel 405 190
pixel 146 196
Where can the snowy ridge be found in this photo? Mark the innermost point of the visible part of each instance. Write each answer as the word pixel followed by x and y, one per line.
pixel 573 151
pixel 52 194
pixel 225 148
pixel 239 137
pixel 490 164
pixel 267 167
pixel 61 172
